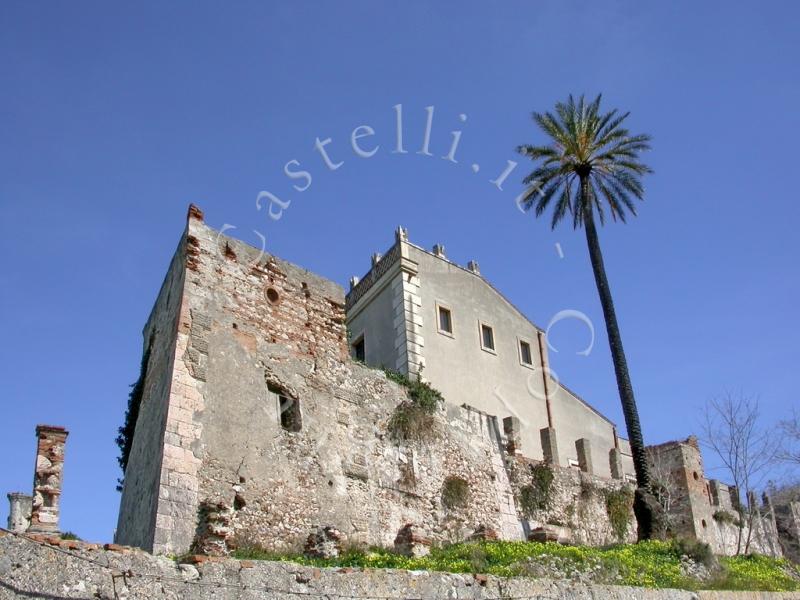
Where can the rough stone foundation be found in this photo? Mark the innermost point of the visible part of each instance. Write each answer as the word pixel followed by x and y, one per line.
pixel 74 570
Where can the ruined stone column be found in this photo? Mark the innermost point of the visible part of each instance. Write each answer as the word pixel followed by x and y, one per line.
pixel 615 462
pixel 584 449
pixel 47 478
pixel 549 446
pixel 19 512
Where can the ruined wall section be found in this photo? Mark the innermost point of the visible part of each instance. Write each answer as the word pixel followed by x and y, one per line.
pixel 576 504
pixel 706 509
pixel 140 494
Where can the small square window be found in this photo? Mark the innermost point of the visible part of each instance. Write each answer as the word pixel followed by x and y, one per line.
pixel 445 320
pixel 525 355
pixel 359 351
pixel 487 337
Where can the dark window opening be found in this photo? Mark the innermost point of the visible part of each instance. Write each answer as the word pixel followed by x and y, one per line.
pixel 359 352
pixel 525 353
pixel 487 337
pixel 288 410
pixel 445 320
pixel 291 419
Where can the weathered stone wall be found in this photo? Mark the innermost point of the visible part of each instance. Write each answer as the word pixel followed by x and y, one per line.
pixel 576 504
pixel 238 330
pixel 33 571
pixel 787 518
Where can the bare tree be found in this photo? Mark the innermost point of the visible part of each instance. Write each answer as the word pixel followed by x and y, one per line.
pixel 790 449
pixel 733 431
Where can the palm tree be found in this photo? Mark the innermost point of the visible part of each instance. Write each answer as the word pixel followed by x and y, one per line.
pixel 591 167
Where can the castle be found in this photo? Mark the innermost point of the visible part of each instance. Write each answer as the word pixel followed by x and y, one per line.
pixel 266 417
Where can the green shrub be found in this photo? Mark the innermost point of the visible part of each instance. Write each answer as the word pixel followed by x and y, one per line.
pixel 420 392
pixel 411 422
pixel 68 535
pixel 698 551
pixel 414 419
pixel 618 506
pixel 537 496
pixel 723 516
pixel 455 492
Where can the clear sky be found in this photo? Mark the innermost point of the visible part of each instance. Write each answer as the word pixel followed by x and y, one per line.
pixel 113 119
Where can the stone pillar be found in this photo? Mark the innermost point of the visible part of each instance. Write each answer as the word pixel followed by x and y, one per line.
pixel 713 487
pixel 615 462
pixel 752 502
pixel 47 479
pixel 584 448
pixel 512 429
pixel 19 512
pixel 549 446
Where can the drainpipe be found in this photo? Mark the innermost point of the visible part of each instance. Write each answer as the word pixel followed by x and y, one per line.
pixel 540 338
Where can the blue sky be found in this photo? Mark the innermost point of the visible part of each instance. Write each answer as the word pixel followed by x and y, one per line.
pixel 113 119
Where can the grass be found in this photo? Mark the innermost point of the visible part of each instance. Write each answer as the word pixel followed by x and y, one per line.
pixel 647 564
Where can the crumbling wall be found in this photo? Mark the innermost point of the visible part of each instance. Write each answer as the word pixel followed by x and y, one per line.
pixel 574 504
pixel 707 510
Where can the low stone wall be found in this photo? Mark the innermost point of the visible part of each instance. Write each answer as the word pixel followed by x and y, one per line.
pixel 32 570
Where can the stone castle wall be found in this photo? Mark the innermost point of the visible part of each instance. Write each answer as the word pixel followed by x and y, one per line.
pixel 249 329
pixel 256 427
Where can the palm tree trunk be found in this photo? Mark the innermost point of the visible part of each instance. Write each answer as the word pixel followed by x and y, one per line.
pixel 624 386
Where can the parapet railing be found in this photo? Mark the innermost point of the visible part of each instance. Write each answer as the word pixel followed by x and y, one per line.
pixel 372 276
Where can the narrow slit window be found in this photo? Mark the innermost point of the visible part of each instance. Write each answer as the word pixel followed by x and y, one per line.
pixel 291 420
pixel 359 351
pixel 445 320
pixel 525 353
pixel 487 337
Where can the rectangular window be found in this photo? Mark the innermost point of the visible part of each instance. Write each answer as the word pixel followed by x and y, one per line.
pixel 289 415
pixel 359 352
pixel 487 337
pixel 445 320
pixel 525 356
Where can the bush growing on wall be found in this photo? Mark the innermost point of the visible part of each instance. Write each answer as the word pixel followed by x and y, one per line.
pixel 414 419
pixel 618 506
pixel 723 516
pixel 455 492
pixel 537 496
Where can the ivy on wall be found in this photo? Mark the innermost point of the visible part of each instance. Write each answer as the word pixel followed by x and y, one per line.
pixel 537 496
pixel 619 504
pixel 125 433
